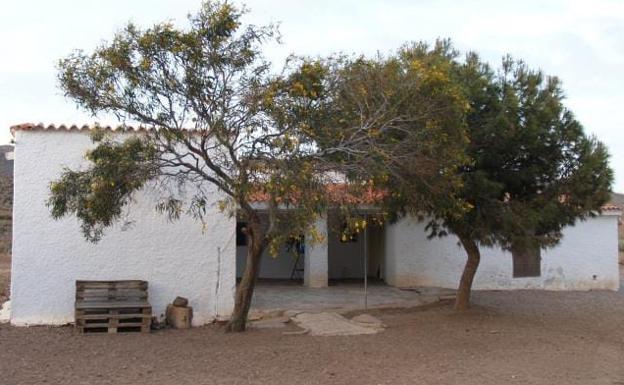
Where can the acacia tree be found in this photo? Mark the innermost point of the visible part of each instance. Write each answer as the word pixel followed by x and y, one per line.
pixel 210 105
pixel 219 121
pixel 395 124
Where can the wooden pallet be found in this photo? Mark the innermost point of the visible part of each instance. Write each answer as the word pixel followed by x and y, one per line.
pixel 112 306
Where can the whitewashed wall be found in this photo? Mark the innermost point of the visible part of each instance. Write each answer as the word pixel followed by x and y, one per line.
pixel 48 255
pixel 586 258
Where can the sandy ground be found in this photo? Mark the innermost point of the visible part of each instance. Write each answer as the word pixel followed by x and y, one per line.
pixel 522 337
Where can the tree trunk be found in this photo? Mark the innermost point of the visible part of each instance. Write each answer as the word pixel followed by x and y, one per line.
pixel 462 302
pixel 245 289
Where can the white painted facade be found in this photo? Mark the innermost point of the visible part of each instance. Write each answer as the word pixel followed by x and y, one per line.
pixel 585 259
pixel 49 256
pixel 179 259
pixel 315 273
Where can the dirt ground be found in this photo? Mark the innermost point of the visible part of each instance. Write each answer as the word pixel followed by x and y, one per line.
pixel 521 337
pixel 5 275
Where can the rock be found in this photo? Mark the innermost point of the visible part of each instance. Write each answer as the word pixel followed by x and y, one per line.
pixel 180 302
pixel 331 324
pixel 275 313
pixel 292 313
pixel 5 312
pixel 158 324
pixel 369 320
pixel 272 323
pixel 254 315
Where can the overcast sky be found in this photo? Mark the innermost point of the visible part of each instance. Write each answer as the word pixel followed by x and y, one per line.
pixel 582 42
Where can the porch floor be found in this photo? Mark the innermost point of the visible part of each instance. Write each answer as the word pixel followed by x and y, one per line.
pixel 339 296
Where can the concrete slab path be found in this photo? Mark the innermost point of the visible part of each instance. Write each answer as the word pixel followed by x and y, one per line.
pixel 281 296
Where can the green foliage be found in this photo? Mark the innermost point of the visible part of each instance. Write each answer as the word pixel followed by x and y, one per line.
pixel 217 119
pixel 394 124
pixel 493 157
pixel 164 76
pixel 97 195
pixel 534 170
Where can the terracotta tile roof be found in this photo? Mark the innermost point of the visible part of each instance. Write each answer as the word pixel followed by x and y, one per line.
pixel 336 193
pixel 74 127
pixel 611 207
pixel 340 193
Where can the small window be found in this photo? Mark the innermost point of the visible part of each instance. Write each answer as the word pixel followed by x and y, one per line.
pixel 241 237
pixel 526 262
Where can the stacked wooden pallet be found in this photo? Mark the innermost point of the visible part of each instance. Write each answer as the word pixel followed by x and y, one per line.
pixel 112 306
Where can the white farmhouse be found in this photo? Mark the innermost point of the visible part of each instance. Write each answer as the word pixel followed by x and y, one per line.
pixel 202 263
